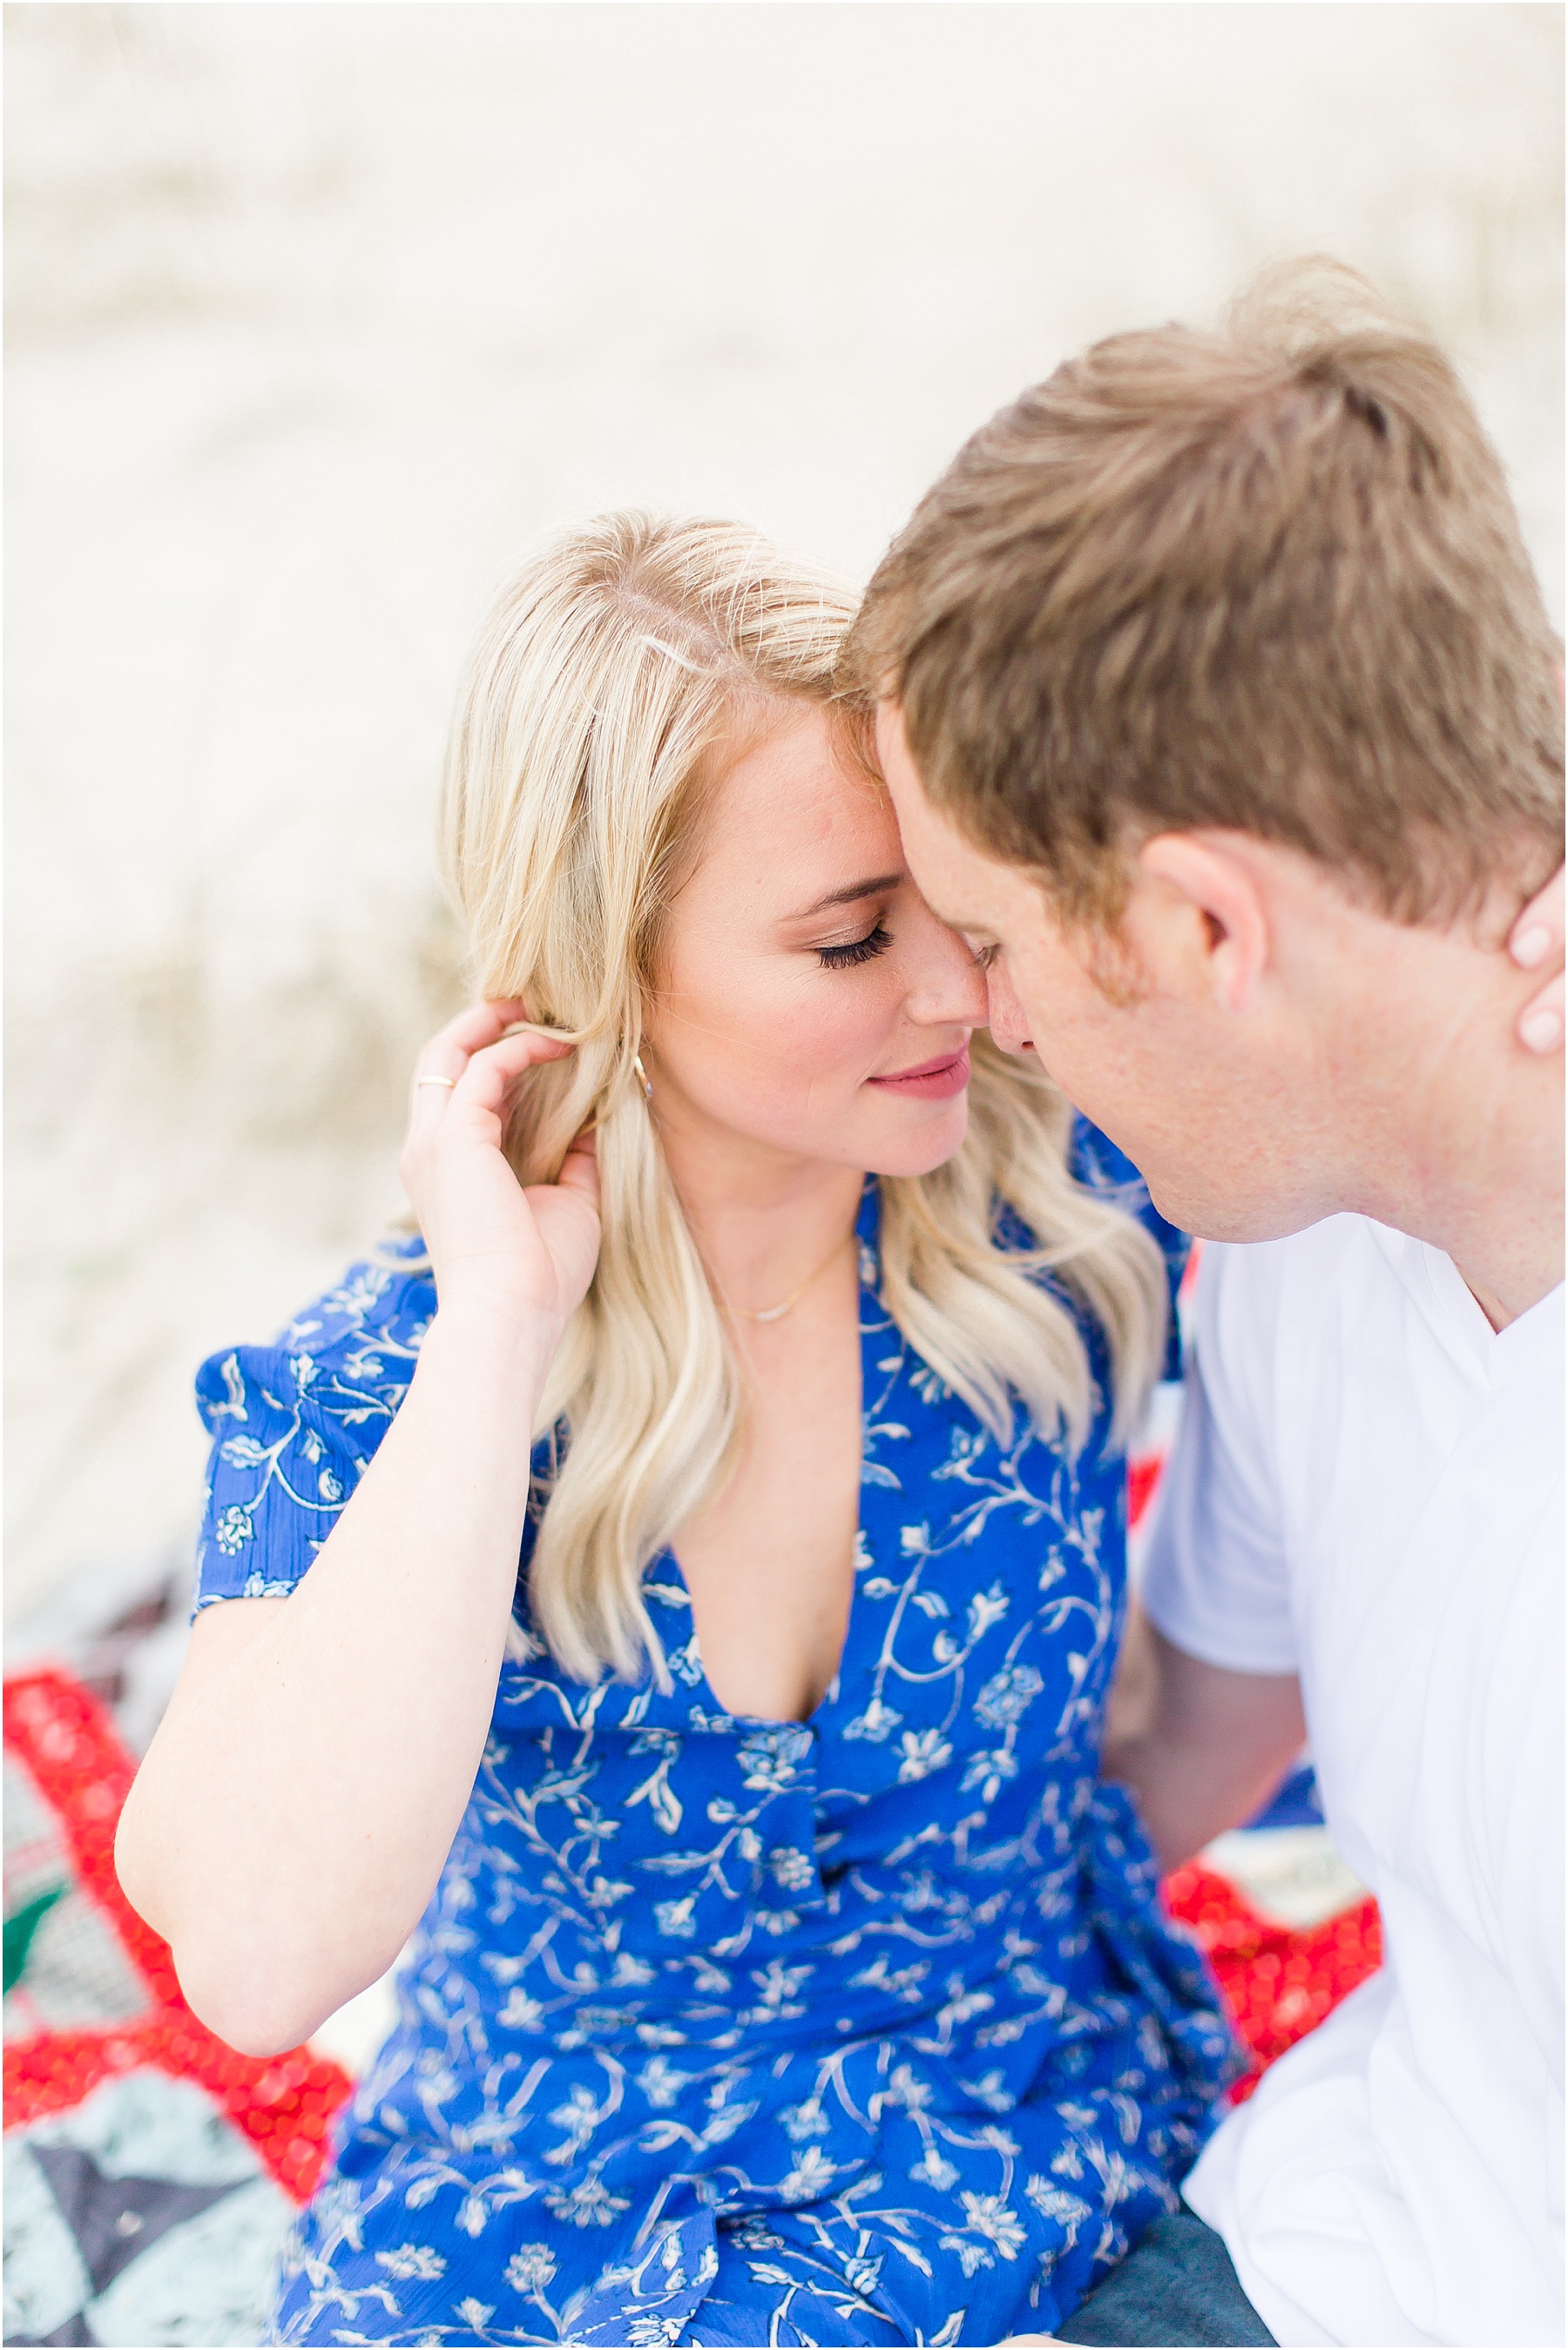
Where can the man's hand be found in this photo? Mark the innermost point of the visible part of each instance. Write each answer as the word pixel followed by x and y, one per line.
pixel 1535 942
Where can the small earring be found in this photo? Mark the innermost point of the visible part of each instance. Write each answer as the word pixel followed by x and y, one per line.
pixel 642 1075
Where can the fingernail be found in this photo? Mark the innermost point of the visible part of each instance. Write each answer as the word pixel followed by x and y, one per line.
pixel 1542 1031
pixel 1532 946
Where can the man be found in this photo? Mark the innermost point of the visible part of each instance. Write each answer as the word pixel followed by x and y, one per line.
pixel 1221 713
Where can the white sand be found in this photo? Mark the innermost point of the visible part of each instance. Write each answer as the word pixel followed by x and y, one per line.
pixel 318 313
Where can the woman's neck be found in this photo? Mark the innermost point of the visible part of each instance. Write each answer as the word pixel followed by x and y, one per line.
pixel 763 1219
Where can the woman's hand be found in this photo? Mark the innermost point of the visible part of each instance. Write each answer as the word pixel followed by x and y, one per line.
pixel 489 1240
pixel 1535 942
pixel 407 1599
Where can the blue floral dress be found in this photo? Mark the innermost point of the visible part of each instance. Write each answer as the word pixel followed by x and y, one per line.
pixel 863 2028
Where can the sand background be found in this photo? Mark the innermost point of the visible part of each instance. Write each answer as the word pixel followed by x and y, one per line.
pixel 317 312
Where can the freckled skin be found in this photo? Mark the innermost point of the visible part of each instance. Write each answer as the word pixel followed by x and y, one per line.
pixel 770 1099
pixel 1272 1049
pixel 754 1044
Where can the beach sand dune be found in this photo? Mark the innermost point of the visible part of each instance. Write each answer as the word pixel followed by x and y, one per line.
pixel 317 314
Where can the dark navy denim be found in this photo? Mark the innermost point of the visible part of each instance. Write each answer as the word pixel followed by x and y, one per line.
pixel 1175 2287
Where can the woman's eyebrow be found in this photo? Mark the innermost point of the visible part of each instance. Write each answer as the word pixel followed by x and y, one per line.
pixel 847 896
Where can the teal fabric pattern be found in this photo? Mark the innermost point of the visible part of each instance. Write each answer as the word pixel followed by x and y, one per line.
pixel 863 2029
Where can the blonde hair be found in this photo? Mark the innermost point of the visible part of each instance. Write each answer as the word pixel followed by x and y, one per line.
pixel 615 670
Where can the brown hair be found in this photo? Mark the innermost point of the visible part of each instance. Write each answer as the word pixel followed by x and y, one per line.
pixel 1268 578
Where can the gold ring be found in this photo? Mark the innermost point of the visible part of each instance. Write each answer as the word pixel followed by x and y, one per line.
pixel 435 1081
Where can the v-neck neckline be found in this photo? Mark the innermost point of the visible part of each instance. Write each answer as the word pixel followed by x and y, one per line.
pixel 1494 1356
pixel 868 1237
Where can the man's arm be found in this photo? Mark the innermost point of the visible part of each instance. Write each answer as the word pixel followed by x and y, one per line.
pixel 1199 1746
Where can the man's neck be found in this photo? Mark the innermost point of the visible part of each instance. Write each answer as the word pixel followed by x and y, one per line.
pixel 1455 1132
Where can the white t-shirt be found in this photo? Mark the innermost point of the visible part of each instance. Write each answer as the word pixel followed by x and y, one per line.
pixel 1367 1489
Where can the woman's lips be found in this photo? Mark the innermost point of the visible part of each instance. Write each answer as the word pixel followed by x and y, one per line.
pixel 932 1081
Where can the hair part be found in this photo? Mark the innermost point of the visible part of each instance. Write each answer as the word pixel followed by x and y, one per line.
pixel 609 687
pixel 1267 578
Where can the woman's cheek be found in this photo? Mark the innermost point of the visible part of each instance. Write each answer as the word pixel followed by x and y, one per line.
pixel 844 1034
pixel 767 1037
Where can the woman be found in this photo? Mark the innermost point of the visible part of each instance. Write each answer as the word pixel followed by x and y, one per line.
pixel 786 1977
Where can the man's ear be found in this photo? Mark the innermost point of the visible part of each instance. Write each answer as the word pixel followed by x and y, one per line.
pixel 1198 919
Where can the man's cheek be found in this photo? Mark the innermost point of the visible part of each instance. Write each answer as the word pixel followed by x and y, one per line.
pixel 1045 1011
pixel 1074 1050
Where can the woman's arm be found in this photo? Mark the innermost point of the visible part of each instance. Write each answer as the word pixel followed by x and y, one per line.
pixel 295 1808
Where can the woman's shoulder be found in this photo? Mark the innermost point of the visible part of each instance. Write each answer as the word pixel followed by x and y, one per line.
pixel 295 1420
pixel 388 1298
pixel 367 1330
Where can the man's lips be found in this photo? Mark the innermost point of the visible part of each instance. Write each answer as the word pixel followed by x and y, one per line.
pixel 931 1081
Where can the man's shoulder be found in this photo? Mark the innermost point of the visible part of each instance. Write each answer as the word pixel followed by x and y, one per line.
pixel 1274 1317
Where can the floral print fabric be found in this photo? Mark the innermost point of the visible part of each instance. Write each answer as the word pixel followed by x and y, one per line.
pixel 863 2029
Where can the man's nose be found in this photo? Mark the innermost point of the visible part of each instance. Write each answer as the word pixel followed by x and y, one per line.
pixel 1004 1015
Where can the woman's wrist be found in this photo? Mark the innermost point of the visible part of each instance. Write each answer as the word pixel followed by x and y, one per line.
pixel 488 1335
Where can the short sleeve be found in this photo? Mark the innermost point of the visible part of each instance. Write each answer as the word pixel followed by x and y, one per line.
pixel 1094 1161
pixel 295 1423
pixel 1217 1579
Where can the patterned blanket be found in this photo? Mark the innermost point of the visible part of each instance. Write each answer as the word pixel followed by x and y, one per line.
pixel 152 2172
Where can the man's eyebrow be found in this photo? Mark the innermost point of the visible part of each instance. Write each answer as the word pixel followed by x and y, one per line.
pixel 847 895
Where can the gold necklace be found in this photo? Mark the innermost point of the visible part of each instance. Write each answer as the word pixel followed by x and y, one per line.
pixel 777 1313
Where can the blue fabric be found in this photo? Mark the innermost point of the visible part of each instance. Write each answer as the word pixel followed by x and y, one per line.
pixel 1295 1802
pixel 862 2028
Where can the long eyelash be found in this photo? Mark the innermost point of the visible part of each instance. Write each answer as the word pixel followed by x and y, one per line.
pixel 875 942
pixel 985 956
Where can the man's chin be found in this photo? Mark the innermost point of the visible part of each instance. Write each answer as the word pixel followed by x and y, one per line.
pixel 1211 1213
pixel 1238 1220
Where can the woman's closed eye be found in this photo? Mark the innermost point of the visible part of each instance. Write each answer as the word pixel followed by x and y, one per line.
pixel 852 951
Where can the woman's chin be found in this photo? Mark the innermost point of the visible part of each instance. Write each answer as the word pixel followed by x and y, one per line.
pixel 926 1143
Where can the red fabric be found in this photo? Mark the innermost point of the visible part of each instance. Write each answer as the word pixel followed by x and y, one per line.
pixel 285 2105
pixel 1277 1983
pixel 1143 1476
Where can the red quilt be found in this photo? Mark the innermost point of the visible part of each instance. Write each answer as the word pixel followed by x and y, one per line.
pixel 150 2155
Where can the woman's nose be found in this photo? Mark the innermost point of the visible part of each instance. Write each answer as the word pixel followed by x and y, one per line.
pixel 951 991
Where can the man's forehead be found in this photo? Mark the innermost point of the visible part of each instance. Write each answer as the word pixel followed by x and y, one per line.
pixel 960 881
pixel 968 888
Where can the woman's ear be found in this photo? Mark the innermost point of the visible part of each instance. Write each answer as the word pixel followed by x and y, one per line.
pixel 1197 919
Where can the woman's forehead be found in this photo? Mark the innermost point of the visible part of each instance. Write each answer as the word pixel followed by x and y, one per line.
pixel 796 818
